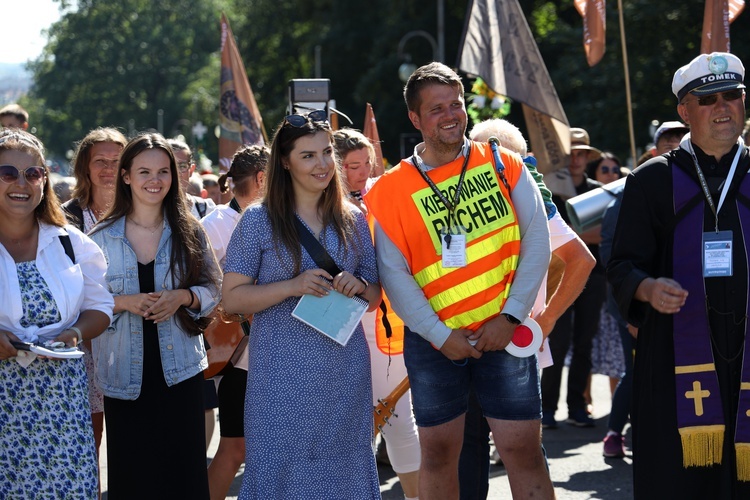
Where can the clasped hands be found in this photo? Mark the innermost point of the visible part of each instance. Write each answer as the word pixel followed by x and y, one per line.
pixel 318 282
pixel 158 306
pixel 494 335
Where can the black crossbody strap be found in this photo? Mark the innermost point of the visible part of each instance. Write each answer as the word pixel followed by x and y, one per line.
pixel 324 261
pixel 315 249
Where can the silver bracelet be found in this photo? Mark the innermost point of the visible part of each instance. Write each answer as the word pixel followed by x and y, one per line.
pixel 79 333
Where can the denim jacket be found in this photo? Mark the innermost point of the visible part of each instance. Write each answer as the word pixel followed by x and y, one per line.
pixel 118 352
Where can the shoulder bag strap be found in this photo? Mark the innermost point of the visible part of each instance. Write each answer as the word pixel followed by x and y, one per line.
pixel 315 249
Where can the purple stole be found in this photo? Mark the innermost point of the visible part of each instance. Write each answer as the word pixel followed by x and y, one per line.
pixel 700 416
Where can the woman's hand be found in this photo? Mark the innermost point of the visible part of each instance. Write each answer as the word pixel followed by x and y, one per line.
pixel 138 303
pixel 6 348
pixel 346 284
pixel 167 303
pixel 312 282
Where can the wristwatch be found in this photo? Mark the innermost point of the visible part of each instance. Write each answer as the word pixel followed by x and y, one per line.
pixel 512 319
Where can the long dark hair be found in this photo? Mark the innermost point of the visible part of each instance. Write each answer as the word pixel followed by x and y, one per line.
pixel 279 196
pixel 187 264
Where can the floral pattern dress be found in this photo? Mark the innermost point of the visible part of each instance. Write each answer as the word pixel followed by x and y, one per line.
pixel 46 445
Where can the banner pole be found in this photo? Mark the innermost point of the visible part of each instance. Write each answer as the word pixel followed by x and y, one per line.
pixel 627 83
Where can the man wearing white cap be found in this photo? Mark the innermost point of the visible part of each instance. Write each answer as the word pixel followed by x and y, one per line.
pixel 668 136
pixel 679 270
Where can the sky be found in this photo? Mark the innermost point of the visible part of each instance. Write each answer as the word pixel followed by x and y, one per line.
pixel 23 20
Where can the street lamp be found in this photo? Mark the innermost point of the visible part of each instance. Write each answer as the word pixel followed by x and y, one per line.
pixel 408 67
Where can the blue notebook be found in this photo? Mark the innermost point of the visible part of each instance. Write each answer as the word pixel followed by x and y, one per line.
pixel 334 315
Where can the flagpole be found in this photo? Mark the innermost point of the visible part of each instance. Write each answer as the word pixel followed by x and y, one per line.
pixel 627 83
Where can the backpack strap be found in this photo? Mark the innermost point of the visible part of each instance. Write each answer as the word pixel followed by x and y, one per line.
pixel 68 246
pixel 201 206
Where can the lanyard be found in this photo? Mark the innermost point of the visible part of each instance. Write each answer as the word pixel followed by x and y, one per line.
pixel 451 206
pixel 704 185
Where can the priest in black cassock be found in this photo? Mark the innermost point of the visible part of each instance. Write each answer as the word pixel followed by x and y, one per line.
pixel 679 269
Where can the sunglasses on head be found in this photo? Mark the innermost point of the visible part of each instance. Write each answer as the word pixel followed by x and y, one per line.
pixel 297 121
pixel 710 100
pixel 9 174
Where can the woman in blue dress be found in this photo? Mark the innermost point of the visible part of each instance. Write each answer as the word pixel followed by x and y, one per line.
pixel 308 410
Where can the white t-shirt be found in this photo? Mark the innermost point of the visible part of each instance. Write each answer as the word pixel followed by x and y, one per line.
pixel 219 225
pixel 559 234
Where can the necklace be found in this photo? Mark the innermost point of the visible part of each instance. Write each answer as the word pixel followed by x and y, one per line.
pixel 152 229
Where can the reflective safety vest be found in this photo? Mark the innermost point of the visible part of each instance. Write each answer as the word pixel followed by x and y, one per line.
pixel 412 216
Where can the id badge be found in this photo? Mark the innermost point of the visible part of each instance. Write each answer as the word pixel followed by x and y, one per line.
pixel 717 254
pixel 453 242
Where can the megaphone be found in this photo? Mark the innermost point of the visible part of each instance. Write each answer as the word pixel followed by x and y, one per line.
pixel 586 210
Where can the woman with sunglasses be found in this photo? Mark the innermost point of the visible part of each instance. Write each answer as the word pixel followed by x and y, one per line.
pixel 308 410
pixel 53 289
pixel 165 281
pixel 95 170
pixel 356 156
pixel 605 169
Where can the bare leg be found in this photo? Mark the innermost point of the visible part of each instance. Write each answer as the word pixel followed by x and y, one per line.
pixel 441 447
pixel 519 443
pixel 409 483
pixel 210 425
pixel 222 469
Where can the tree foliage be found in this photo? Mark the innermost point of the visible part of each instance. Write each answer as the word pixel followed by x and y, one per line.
pixel 118 63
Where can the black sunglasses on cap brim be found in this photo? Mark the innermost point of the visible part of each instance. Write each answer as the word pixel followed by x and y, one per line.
pixel 297 121
pixel 710 100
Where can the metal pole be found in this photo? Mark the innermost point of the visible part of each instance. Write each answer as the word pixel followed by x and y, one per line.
pixel 441 30
pixel 627 83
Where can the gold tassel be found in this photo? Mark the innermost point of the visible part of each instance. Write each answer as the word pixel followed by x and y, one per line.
pixel 742 451
pixel 702 445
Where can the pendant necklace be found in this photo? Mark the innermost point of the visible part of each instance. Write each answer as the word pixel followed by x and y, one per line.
pixel 152 229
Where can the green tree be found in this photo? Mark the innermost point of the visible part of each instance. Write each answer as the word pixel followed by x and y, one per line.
pixel 120 63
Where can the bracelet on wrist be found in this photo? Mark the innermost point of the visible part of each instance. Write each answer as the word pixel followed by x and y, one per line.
pixel 192 299
pixel 79 333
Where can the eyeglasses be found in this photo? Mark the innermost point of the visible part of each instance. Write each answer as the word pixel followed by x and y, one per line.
pixel 298 121
pixel 605 169
pixel 183 167
pixel 9 174
pixel 710 100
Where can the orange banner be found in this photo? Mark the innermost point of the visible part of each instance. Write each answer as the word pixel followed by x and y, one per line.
pixel 594 28
pixel 240 122
pixel 370 130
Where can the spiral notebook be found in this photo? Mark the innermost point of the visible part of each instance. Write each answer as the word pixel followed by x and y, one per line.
pixel 334 315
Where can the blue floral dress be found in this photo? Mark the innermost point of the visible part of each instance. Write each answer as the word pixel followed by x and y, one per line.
pixel 46 441
pixel 308 405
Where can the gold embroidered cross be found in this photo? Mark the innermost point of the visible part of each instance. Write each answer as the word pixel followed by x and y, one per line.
pixel 697 396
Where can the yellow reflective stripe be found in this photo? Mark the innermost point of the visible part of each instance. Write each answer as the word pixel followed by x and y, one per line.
pixel 479 314
pixel 707 367
pixel 473 253
pixel 474 285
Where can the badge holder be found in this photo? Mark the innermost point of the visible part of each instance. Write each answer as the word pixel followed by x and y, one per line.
pixel 453 243
pixel 717 254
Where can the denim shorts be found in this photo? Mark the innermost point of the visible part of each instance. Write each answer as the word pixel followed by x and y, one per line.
pixel 507 386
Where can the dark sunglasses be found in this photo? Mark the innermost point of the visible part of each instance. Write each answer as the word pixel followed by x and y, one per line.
pixel 605 169
pixel 9 174
pixel 710 100
pixel 297 121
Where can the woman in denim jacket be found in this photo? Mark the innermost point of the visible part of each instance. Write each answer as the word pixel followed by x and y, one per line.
pixel 150 361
